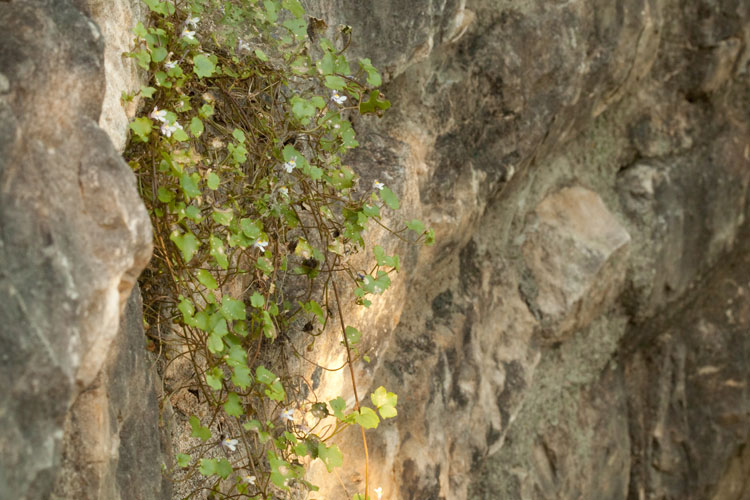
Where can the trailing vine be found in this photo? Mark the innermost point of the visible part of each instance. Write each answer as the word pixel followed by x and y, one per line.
pixel 256 222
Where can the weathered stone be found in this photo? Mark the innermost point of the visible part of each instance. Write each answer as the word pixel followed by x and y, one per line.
pixel 687 394
pixel 113 443
pixel 576 251
pixel 73 234
pixel 116 20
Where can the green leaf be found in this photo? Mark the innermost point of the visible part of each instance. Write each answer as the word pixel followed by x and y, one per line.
pixel 196 128
pixel 261 55
pixel 183 460
pixel 140 30
pixel 335 82
pixel 338 406
pixel 222 217
pixel 180 135
pixel 294 6
pixel 298 26
pixel 190 185
pixel 386 260
pixel 233 406
pixel 218 252
pixel 376 103
pixel 385 402
pixel 206 111
pixel 264 265
pixel 416 226
pixel 142 127
pixel 257 300
pixel 389 198
pixel 158 54
pixel 215 343
pixel 232 308
pixel 239 135
pixel 203 66
pixel 212 466
pixel 272 10
pixel 373 77
pixel 164 195
pixel 352 335
pixel 206 279
pixel 187 243
pixel 162 80
pixel 204 433
pixel 214 378
pixel 223 468
pixel 147 92
pixel 315 308
pixel 331 457
pixel 143 57
pixel 269 329
pixel 242 377
pixel 264 375
pixel 212 181
pixel 367 418
pixel 250 228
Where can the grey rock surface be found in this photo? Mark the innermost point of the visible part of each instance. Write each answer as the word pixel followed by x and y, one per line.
pixel 113 442
pixel 73 234
pixel 537 346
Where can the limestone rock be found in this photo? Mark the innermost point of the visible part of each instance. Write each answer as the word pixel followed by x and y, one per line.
pixel 113 441
pixel 73 234
pixel 576 253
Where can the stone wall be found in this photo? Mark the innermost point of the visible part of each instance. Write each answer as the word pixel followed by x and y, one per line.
pixel 579 330
pixel 79 416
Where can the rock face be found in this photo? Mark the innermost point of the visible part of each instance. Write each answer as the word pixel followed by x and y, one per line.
pixel 578 329
pixel 73 238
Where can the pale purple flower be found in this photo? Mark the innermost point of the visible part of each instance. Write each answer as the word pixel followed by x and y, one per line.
pixel 290 165
pixel 231 444
pixel 261 245
pixel 159 114
pixel 168 129
pixel 287 414
pixel 337 98
pixel 249 479
pixel 243 46
pixel 170 64
pixel 187 34
pixel 378 185
pixel 192 21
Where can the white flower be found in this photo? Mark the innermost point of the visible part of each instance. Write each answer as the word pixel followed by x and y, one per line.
pixel 287 414
pixel 187 34
pixel 378 185
pixel 170 64
pixel 289 166
pixel 159 114
pixel 337 98
pixel 243 45
pixel 249 479
pixel 260 245
pixel 192 21
pixel 284 190
pixel 168 129
pixel 229 443
pixel 379 492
